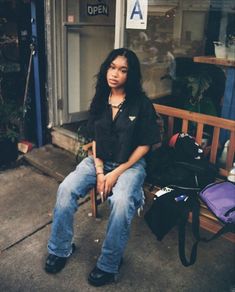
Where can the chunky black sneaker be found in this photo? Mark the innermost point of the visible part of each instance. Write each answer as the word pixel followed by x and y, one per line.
pixel 98 277
pixel 55 264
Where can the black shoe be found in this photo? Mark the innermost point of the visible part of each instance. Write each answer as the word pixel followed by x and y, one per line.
pixel 98 277
pixel 55 264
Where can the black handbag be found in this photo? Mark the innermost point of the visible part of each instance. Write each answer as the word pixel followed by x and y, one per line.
pixel 172 209
pixel 164 168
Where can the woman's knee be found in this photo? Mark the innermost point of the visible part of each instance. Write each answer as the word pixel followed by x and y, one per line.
pixel 130 184
pixel 128 192
pixel 87 166
pixel 122 202
pixel 133 177
pixel 64 196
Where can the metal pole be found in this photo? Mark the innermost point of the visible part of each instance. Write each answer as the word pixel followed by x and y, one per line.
pixel 37 89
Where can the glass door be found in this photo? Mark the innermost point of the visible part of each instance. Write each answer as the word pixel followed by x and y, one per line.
pixel 89 28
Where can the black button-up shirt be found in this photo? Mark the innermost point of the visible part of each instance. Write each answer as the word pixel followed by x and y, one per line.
pixel 134 125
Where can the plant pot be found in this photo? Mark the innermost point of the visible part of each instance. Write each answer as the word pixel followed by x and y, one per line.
pixel 220 50
pixel 8 151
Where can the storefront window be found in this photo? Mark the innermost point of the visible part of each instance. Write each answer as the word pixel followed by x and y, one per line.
pixel 154 49
pixel 176 32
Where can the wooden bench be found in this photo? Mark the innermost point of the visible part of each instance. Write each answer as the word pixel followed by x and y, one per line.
pixel 176 120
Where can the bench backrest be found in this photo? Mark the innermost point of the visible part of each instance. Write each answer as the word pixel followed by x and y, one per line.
pixel 202 120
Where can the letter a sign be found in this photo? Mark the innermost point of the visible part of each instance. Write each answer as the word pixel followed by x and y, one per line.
pixel 136 17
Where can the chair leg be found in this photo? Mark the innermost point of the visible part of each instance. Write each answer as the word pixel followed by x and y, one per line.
pixel 93 202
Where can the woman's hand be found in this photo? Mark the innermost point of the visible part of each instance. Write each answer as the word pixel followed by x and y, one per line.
pixel 110 180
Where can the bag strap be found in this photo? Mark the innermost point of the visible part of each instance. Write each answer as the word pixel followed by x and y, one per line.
pixel 195 230
pixel 229 211
pixel 183 188
pixel 229 227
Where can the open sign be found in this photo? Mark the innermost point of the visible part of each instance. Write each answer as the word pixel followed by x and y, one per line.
pixel 97 9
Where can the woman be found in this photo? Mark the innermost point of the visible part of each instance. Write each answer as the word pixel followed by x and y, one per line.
pixel 123 127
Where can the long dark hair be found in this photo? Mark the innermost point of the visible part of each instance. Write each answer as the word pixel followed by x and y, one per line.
pixel 133 86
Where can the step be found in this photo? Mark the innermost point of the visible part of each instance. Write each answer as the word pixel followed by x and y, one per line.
pixel 53 161
pixel 65 139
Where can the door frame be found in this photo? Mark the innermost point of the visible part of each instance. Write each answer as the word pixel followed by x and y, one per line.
pixel 56 48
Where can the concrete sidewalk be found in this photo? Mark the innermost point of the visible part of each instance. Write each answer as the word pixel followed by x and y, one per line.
pixel 27 198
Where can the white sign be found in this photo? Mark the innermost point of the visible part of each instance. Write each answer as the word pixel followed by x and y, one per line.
pixel 137 11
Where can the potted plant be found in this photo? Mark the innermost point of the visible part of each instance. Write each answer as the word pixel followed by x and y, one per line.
pixel 197 100
pixel 10 121
pixel 193 92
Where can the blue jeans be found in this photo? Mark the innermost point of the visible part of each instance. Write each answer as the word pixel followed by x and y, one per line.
pixel 127 197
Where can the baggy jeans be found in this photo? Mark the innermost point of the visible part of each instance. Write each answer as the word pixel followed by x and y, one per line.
pixel 127 196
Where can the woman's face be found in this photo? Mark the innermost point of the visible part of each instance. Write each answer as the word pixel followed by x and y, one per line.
pixel 117 73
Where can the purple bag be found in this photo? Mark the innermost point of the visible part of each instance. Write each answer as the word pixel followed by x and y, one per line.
pixel 220 199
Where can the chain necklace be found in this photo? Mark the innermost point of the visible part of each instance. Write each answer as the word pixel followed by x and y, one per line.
pixel 116 106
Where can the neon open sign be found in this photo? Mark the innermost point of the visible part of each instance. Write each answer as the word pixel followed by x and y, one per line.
pixel 97 9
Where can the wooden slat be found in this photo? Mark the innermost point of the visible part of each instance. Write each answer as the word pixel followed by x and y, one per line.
pixel 199 133
pixel 195 117
pixel 223 172
pixel 87 146
pixel 231 150
pixel 214 60
pixel 214 227
pixel 206 213
pixel 170 126
pixel 214 144
pixel 185 126
pixel 93 202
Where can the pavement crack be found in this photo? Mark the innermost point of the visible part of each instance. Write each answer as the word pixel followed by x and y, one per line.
pixel 35 231
pixel 26 236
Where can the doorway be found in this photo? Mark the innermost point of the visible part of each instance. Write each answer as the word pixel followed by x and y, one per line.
pixel 87 35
